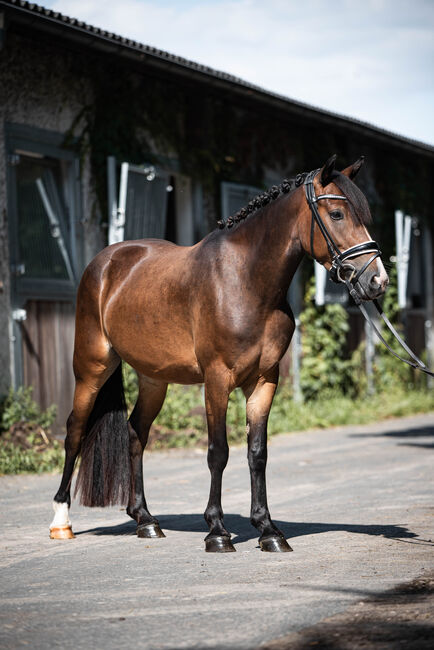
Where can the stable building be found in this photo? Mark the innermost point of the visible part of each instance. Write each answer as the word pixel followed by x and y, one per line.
pixel 103 138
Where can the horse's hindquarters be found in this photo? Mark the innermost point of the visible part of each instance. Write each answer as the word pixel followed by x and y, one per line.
pixel 146 310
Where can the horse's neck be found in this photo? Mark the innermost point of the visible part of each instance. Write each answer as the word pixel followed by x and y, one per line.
pixel 272 246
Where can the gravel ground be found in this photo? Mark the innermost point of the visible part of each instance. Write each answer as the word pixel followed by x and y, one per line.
pixel 400 618
pixel 355 502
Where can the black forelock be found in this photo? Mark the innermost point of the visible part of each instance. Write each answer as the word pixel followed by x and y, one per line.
pixel 359 206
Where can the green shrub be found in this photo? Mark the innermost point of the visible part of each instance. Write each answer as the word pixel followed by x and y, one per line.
pixel 335 409
pixel 131 389
pixel 389 371
pixel 183 413
pixel 325 365
pixel 15 459
pixel 182 409
pixel 26 444
pixel 19 406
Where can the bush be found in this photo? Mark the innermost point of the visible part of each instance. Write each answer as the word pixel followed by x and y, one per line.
pixel 129 379
pixel 19 406
pixel 389 371
pixel 335 409
pixel 182 420
pixel 26 444
pixel 325 365
pixel 34 456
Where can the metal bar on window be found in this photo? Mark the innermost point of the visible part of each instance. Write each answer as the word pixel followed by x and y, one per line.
pixel 117 225
pixel 55 228
pixel 403 236
pixel 113 231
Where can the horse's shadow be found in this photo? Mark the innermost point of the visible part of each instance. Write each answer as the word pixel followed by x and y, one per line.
pixel 242 530
pixel 409 437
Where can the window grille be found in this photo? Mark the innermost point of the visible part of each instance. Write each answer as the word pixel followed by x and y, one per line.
pixel 235 196
pixel 142 206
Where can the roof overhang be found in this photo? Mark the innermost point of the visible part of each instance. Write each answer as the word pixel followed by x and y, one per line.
pixel 77 33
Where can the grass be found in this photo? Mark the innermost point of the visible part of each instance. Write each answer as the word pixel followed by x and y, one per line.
pixel 24 448
pixel 338 410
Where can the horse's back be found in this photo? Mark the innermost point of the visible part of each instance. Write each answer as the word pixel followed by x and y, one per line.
pixel 115 264
pixel 128 253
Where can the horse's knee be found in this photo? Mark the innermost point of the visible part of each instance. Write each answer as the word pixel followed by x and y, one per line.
pixel 257 456
pixel 218 454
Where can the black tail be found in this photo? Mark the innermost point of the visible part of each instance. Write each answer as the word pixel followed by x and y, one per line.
pixel 104 477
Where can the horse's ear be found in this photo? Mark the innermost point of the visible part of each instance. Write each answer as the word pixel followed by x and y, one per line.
pixel 327 171
pixel 354 169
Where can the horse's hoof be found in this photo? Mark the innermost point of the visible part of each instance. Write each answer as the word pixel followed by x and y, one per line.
pixel 219 544
pixel 275 544
pixel 149 530
pixel 61 532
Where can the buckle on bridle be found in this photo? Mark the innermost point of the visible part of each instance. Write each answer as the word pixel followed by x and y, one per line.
pixel 338 262
pixel 344 267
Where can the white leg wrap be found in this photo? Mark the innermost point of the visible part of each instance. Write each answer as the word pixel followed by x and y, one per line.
pixel 61 515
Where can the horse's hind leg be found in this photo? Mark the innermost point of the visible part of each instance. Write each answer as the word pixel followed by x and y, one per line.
pixel 89 381
pixel 259 399
pixel 149 402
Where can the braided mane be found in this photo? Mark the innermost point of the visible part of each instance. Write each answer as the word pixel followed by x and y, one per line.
pixel 262 200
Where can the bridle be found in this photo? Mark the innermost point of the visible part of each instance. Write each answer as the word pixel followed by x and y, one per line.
pixel 340 266
pixel 338 257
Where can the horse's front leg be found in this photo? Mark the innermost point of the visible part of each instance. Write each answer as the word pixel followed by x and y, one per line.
pixel 218 539
pixel 259 399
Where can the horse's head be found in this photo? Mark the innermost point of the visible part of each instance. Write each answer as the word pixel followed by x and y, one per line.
pixel 335 230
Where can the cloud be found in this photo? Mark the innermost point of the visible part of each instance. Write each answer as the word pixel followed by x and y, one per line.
pixel 370 60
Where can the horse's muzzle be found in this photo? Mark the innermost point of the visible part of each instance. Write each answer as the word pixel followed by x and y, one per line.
pixel 372 284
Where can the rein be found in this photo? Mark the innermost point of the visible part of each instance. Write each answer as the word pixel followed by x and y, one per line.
pixel 339 267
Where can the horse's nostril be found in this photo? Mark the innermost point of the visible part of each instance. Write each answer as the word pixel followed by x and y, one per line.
pixel 377 284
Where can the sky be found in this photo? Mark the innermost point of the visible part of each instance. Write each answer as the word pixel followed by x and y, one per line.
pixel 372 60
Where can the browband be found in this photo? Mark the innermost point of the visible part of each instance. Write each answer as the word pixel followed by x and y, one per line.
pixel 329 196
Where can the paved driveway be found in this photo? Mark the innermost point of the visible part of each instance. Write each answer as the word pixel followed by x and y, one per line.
pixel 356 503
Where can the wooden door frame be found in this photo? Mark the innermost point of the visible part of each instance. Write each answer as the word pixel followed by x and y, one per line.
pixel 24 138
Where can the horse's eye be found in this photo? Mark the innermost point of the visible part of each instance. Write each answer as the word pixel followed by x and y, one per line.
pixel 336 215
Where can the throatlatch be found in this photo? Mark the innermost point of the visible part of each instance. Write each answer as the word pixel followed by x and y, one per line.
pixel 339 267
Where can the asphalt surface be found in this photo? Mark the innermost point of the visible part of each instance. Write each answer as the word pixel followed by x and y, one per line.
pixel 356 504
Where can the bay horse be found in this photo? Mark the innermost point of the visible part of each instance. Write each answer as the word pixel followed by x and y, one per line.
pixel 213 313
